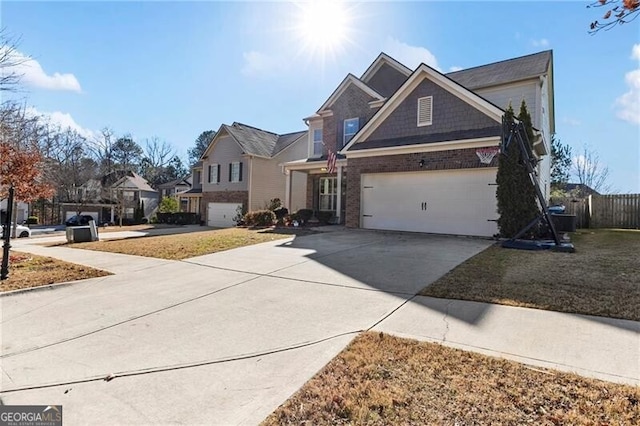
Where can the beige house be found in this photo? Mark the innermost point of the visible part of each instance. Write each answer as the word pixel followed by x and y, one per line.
pixel 243 169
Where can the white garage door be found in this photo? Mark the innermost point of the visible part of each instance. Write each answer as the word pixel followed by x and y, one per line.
pixel 459 202
pixel 221 214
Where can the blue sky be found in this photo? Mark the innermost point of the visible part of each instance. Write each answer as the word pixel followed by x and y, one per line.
pixel 174 69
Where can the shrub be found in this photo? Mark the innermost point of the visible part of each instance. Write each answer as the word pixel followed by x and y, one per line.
pixel 32 220
pixel 274 204
pixel 239 217
pixel 280 213
pixel 260 218
pixel 304 215
pixel 168 205
pixel 324 217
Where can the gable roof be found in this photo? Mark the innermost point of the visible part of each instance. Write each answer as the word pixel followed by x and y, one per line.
pixel 348 80
pixel 257 142
pixel 135 181
pixel 507 71
pixel 382 59
pixel 425 72
pixel 176 182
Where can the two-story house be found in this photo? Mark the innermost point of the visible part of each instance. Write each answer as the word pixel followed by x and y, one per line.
pixel 412 145
pixel 175 189
pixel 243 169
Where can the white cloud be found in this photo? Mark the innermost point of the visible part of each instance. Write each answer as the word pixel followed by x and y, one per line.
pixel 32 74
pixel 629 103
pixel 63 120
pixel 543 42
pixel 635 52
pixel 411 56
pixel 260 64
pixel 571 121
pixel 455 68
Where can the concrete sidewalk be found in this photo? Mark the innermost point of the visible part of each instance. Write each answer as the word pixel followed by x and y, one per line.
pixel 602 348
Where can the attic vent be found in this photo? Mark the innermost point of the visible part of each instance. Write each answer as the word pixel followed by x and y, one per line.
pixel 425 111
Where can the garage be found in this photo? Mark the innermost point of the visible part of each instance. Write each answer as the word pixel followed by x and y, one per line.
pixel 71 214
pixel 220 215
pixel 458 202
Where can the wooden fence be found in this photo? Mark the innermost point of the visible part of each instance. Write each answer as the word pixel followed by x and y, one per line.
pixel 604 211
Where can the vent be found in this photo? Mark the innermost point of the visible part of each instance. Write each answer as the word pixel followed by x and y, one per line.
pixel 425 111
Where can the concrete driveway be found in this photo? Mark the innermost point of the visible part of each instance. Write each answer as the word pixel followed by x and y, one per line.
pixel 218 339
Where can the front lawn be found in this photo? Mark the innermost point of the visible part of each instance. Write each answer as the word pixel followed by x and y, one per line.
pixel 601 278
pixel 183 246
pixel 28 270
pixel 384 380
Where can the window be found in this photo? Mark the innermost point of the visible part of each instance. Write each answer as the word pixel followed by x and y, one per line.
pixel 425 111
pixel 351 127
pixel 235 172
pixel 317 142
pixel 214 173
pixel 328 194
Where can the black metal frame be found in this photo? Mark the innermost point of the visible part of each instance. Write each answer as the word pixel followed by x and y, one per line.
pixel 515 130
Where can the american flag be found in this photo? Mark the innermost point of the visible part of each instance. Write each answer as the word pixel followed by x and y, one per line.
pixel 331 162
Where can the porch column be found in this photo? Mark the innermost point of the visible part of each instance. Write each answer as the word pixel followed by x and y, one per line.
pixel 112 215
pixel 287 189
pixel 339 194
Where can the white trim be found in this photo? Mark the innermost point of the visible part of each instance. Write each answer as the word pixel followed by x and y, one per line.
pixel 315 165
pixel 349 79
pixel 427 147
pixel 250 178
pixel 423 104
pixel 377 103
pixel 421 73
pixel 379 61
pixel 325 113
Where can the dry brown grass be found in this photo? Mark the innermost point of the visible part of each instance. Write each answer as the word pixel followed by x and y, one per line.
pixel 602 278
pixel 383 380
pixel 183 246
pixel 28 270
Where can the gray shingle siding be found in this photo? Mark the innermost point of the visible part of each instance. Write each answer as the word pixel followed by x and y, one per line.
pixel 386 80
pixel 450 114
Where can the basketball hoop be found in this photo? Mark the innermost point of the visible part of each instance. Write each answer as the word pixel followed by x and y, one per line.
pixel 486 154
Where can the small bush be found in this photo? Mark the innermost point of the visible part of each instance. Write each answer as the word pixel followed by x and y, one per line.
pixel 32 220
pixel 324 217
pixel 280 213
pixel 239 217
pixel 274 204
pixel 260 218
pixel 304 215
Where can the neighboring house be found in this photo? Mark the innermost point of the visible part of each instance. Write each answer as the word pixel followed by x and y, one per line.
pixel 242 168
pixel 175 189
pixel 579 190
pixel 22 211
pixel 408 144
pixel 191 200
pixel 104 198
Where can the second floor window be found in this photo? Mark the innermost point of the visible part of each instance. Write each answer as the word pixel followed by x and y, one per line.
pixel 214 173
pixel 351 127
pixel 235 172
pixel 317 142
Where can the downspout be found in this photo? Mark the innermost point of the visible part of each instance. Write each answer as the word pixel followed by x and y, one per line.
pixel 249 191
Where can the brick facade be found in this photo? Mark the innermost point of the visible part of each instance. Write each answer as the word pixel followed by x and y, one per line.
pixel 442 160
pixel 223 197
pixel 352 103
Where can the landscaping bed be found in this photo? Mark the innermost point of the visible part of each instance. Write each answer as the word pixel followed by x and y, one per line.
pixel 381 380
pixel 183 246
pixel 601 278
pixel 28 270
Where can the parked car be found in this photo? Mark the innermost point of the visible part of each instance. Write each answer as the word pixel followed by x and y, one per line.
pixel 21 231
pixel 79 220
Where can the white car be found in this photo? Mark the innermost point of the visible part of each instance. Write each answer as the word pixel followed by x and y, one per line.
pixel 21 231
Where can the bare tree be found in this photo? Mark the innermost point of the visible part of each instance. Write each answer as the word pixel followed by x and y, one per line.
pixel 589 171
pixel 10 60
pixel 101 148
pixel 156 158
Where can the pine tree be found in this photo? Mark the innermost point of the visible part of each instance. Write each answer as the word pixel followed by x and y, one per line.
pixel 517 205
